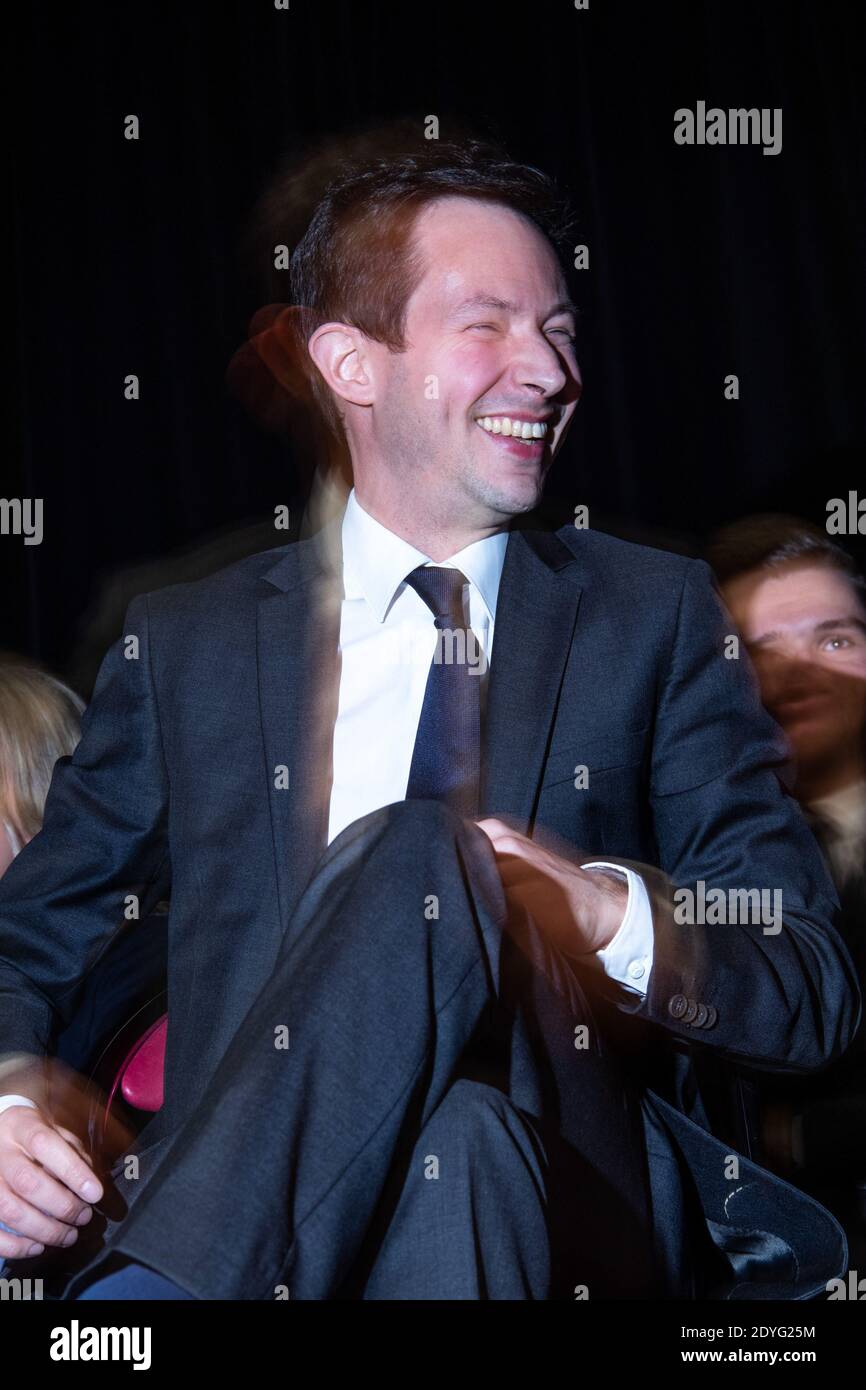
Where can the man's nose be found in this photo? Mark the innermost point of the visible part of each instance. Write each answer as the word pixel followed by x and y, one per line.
pixel 537 364
pixel 796 671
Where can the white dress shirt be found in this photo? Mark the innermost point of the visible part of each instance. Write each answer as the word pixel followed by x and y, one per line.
pixel 844 814
pixel 387 641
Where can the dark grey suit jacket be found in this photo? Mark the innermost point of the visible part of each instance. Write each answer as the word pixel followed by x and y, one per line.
pixel 607 655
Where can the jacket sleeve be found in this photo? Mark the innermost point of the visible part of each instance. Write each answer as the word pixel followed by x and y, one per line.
pixel 103 842
pixel 771 982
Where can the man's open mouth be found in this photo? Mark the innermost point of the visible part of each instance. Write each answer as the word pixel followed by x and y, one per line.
pixel 512 428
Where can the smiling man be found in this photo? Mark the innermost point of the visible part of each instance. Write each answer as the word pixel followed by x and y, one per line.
pixel 448 440
pixel 430 1011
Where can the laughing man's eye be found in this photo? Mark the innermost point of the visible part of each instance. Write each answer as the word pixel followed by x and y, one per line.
pixel 564 333
pixel 846 640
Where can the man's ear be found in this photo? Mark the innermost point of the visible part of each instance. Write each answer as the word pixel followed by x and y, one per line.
pixel 340 353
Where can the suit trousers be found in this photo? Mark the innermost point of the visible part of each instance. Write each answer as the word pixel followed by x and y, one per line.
pixel 416 1043
pixel 471 1222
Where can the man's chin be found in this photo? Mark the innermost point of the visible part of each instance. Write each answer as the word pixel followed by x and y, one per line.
pixel 512 496
pixel 814 750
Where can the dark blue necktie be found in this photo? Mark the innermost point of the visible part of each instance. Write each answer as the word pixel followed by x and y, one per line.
pixel 446 760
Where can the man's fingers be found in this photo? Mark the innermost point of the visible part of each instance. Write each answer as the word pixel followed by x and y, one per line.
pixel 506 842
pixel 58 1157
pixel 31 1222
pixel 78 1144
pixel 35 1207
pixel 17 1247
pixel 516 867
pixel 489 825
pixel 495 829
pixel 46 1185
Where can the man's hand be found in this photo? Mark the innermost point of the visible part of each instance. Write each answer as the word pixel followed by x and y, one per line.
pixel 580 911
pixel 47 1179
pixel 46 1183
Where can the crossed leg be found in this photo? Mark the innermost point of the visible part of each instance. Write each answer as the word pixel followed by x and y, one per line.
pixel 392 973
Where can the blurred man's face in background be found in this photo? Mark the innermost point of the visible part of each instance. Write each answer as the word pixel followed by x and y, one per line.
pixel 805 627
pixel 489 336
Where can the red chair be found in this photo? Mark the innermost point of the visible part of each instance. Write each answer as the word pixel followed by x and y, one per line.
pixel 128 1076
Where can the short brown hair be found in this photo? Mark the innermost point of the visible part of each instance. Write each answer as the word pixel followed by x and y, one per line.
pixel 770 540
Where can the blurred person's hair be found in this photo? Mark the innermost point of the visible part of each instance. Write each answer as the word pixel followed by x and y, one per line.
pixel 40 721
pixel 357 262
pixel 773 541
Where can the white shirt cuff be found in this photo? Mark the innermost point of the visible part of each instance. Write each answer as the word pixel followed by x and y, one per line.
pixel 9 1100
pixel 628 958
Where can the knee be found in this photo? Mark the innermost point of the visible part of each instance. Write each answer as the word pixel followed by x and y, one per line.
pixel 418 836
pixel 410 824
pixel 481 1119
pixel 472 1105
pixel 415 864
pixel 427 817
pixel 422 828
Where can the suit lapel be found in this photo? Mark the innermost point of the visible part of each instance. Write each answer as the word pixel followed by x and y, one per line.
pixel 297 643
pixel 536 612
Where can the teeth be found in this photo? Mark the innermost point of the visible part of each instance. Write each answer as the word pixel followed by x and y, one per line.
pixel 516 429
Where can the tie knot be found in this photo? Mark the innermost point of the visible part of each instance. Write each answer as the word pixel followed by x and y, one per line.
pixel 442 591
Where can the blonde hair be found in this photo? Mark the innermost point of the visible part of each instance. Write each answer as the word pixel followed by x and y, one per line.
pixel 40 721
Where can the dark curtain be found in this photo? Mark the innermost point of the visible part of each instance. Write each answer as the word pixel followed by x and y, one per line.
pixel 129 257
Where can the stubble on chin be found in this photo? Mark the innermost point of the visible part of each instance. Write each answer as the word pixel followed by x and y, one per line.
pixel 508 499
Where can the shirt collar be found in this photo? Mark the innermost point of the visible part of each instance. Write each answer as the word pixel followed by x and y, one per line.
pixel 376 561
pixel 845 809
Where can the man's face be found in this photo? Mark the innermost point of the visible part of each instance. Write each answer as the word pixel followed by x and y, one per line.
pixel 805 628
pixel 489 335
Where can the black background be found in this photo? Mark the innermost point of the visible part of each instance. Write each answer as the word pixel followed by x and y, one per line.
pixel 127 256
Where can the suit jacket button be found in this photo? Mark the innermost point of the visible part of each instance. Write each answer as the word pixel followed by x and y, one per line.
pixel 678 1006
pixel 691 1012
pixel 712 1015
pixel 701 1016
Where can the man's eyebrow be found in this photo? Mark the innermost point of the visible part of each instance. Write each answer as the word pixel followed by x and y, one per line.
pixel 826 625
pixel 564 306
pixel 830 624
pixel 492 301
